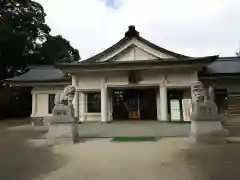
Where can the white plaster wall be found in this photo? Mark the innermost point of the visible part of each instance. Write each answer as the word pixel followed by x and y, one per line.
pixel 92 82
pixel 89 81
pixel 93 117
pixel 151 76
pixel 40 101
pixel 177 78
pixel 42 105
pixel 116 77
pixel 135 53
pixel 184 78
pixel 126 56
pixel 143 55
pixel 151 50
pixel 140 45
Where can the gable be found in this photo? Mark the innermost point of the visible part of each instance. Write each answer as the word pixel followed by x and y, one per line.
pixel 135 50
pixel 123 50
pixel 133 53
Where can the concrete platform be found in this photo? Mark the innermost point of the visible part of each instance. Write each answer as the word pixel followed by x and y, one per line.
pixel 134 129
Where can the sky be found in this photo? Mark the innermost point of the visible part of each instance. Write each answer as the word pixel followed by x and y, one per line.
pixel 189 27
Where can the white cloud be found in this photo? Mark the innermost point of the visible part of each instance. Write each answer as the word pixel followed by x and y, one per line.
pixel 191 27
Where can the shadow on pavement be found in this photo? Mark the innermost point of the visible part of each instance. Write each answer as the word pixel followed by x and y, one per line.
pixel 19 160
pixel 234 131
pixel 214 162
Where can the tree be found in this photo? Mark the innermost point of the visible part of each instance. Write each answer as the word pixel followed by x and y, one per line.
pixel 56 48
pixel 25 39
pixel 22 25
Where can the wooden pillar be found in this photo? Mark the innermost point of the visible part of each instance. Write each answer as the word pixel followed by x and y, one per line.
pixel 158 105
pixel 163 103
pixel 104 102
pixel 82 106
pixel 34 103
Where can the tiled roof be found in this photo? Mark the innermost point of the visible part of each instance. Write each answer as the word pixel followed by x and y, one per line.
pixel 224 65
pixel 41 74
pixel 129 35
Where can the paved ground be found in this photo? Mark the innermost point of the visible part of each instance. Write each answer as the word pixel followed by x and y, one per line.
pixel 22 161
pixel 234 130
pixel 25 156
pixel 131 128
pixel 166 159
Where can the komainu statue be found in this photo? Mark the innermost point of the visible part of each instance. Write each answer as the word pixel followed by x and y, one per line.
pixel 66 96
pixel 64 99
pixel 200 94
pixel 206 125
pixel 63 124
pixel 204 106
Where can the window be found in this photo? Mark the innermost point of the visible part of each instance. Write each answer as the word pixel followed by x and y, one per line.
pixel 51 98
pixel 94 102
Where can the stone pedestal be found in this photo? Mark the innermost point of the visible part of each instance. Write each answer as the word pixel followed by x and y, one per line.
pixel 209 132
pixel 63 131
pixel 206 125
pixel 63 126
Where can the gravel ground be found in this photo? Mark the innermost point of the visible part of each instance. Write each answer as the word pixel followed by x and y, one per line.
pixel 25 156
pixel 166 159
pixel 234 131
pixel 22 161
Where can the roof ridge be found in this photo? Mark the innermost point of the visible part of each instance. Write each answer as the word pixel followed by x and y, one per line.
pixel 229 58
pixel 161 49
pixel 129 35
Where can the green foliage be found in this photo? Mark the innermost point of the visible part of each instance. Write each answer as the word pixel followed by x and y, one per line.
pixel 25 39
pixel 56 48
